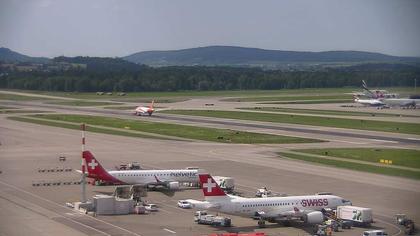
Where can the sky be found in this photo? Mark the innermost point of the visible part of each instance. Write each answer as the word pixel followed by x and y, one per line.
pixel 118 28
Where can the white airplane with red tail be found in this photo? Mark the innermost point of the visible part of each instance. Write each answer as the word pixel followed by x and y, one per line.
pixel 144 110
pixel 273 209
pixel 167 178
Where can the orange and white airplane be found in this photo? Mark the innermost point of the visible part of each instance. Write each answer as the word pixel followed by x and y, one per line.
pixel 272 209
pixel 144 110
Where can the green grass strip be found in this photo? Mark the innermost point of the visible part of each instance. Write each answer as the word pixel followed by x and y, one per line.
pixel 310 101
pixel 183 131
pixel 399 157
pixel 19 111
pixel 82 103
pixel 356 166
pixel 323 112
pixel 4 108
pixel 90 128
pixel 14 97
pixel 289 98
pixel 385 126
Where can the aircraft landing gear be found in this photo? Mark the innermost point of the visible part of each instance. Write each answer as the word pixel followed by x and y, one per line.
pixel 261 223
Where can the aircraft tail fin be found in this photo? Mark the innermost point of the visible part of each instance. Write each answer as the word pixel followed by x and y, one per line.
pixel 210 188
pixel 95 169
pixel 152 104
pixel 364 85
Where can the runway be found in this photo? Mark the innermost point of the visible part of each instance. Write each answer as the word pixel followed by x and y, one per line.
pixel 330 133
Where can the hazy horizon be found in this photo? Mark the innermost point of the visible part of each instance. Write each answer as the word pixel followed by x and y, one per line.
pixel 119 28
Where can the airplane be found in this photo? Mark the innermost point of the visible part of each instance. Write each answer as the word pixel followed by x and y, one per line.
pixel 369 102
pixel 378 93
pixel 401 102
pixel 374 94
pixel 166 178
pixel 272 209
pixel 144 110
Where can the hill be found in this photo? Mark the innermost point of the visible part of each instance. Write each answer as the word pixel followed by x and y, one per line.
pixel 101 64
pixel 240 56
pixel 7 55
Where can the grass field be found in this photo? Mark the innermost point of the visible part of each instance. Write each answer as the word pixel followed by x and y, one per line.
pixel 19 111
pixel 355 166
pixel 4 96
pixel 90 128
pixel 182 131
pixel 290 98
pixel 82 103
pixel 4 108
pixel 399 157
pixel 396 127
pixel 310 101
pixel 322 112
pixel 226 93
pixel 120 107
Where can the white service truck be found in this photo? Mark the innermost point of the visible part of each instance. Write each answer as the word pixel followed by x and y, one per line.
pixel 201 217
pixel 225 183
pixel 358 215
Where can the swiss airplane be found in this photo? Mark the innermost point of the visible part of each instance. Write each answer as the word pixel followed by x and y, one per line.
pixel 167 178
pixel 144 110
pixel 272 209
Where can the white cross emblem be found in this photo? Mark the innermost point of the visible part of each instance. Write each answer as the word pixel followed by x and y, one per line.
pixel 92 164
pixel 209 185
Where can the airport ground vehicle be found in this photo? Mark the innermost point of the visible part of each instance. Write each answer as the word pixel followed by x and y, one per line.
pixel 225 183
pixel 129 166
pixel 358 215
pixel 374 233
pixel 184 204
pixel 201 217
pixel 151 207
pixel 409 227
pixel 263 192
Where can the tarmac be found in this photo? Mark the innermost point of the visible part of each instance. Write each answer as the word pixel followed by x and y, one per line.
pixel 25 147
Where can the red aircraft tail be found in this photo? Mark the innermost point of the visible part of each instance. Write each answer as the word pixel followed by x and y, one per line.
pixel 96 171
pixel 210 187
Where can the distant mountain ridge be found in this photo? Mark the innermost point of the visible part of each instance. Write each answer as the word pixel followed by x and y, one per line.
pixel 7 55
pixel 231 55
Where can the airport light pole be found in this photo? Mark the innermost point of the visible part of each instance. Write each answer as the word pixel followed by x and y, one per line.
pixel 83 183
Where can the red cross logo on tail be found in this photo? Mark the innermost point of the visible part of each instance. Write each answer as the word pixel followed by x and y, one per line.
pixel 210 187
pixel 92 164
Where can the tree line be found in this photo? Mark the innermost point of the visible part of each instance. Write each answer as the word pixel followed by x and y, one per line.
pixel 128 77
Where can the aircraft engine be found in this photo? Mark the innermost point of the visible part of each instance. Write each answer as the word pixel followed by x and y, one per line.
pixel 315 217
pixel 173 185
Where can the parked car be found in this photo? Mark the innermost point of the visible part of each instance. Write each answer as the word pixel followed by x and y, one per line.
pixel 374 233
pixel 151 207
pixel 184 204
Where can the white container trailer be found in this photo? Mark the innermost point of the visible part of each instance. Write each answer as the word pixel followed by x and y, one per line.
pixel 358 215
pixel 225 183
pixel 109 205
pixel 123 206
pixel 104 204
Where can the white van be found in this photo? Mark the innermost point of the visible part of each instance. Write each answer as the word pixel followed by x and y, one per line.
pixel 374 233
